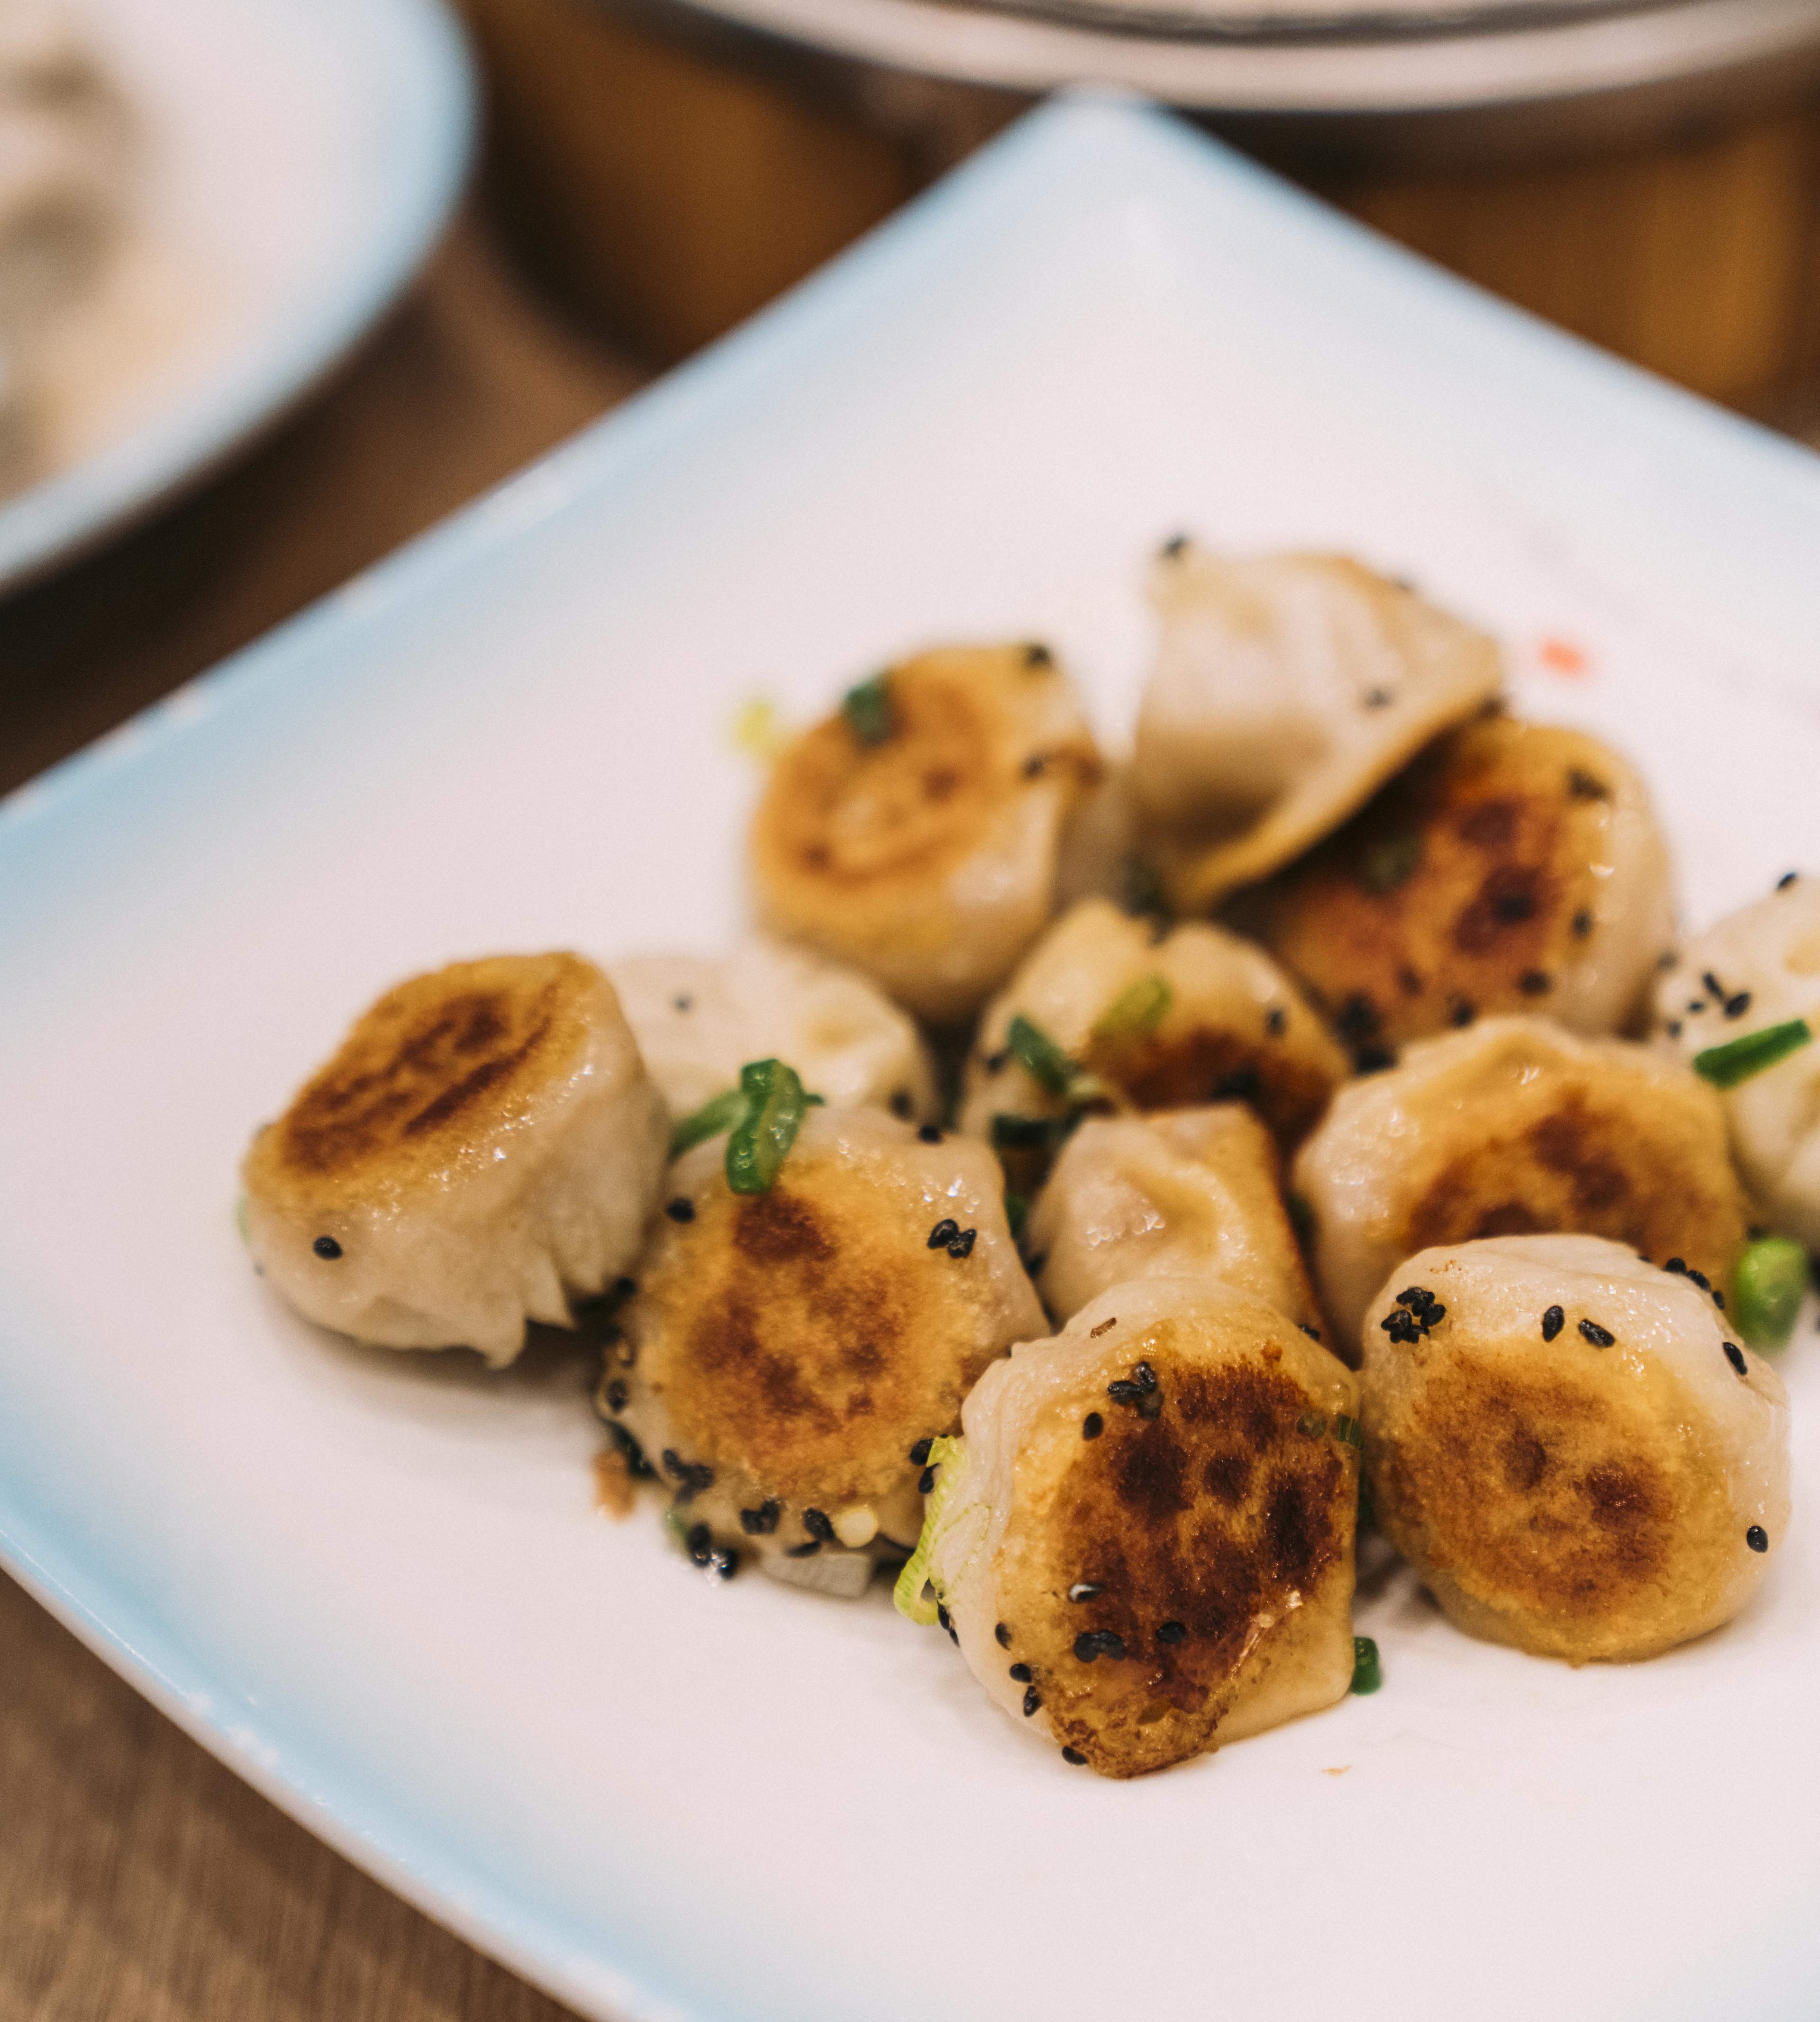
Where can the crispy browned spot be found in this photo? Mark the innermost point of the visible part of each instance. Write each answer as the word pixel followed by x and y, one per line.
pixel 819 1341
pixel 1533 1491
pixel 1462 877
pixel 1176 1068
pixel 432 1054
pixel 1211 1514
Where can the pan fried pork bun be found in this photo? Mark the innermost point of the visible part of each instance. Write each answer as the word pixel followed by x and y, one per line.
pixel 1166 1019
pixel 1180 1193
pixel 1513 866
pixel 1517 1128
pixel 1569 1447
pixel 1146 1547
pixel 1758 972
pixel 785 1350
pixel 485 1147
pixel 698 1019
pixel 915 833
pixel 1288 689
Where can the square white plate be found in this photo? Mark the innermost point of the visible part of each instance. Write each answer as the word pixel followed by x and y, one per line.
pixel 376 1585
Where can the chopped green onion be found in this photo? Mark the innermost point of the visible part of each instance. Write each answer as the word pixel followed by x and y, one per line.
pixel 1347 1429
pixel 1725 1066
pixel 1137 1011
pixel 1017 1214
pixel 1391 860
pixel 868 709
pixel 1368 1671
pixel 1766 1291
pixel 760 1141
pixel 1140 889
pixel 1039 1055
pixel 709 1121
pixel 908 1595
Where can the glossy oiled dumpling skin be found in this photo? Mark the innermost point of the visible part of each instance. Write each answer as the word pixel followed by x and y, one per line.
pixel 1288 688
pixel 1765 961
pixel 1513 1128
pixel 927 857
pixel 698 1020
pixel 485 1146
pixel 1570 1455
pixel 1179 1193
pixel 1231 1025
pixel 785 1350
pixel 1165 1473
pixel 1514 867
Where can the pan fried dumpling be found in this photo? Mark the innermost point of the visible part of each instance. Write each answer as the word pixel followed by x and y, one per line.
pixel 485 1147
pixel 1144 1539
pixel 1756 971
pixel 1179 1193
pixel 1569 1447
pixel 1513 866
pixel 1288 689
pixel 1166 1019
pixel 785 1350
pixel 915 832
pixel 1517 1127
pixel 698 1019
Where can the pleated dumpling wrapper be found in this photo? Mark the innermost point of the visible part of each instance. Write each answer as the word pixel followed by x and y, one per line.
pixel 1288 688
pixel 698 1020
pixel 1568 1446
pixel 915 833
pixel 1164 1019
pixel 1513 866
pixel 484 1148
pixel 1143 1541
pixel 1515 1128
pixel 1745 1001
pixel 785 1349
pixel 1179 1193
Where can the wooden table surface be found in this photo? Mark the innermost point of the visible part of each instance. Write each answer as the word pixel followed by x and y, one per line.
pixel 140 1882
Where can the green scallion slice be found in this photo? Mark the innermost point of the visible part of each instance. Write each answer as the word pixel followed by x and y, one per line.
pixel 1039 1055
pixel 1347 1429
pixel 1135 1013
pixel 867 711
pixel 1017 1214
pixel 1766 1291
pixel 1368 1670
pixel 908 1596
pixel 1737 1060
pixel 761 1141
pixel 709 1121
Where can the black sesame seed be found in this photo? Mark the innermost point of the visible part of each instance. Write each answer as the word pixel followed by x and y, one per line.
pixel 1696 1004
pixel 1176 545
pixel 1086 1590
pixel 902 1108
pixel 1358 1017
pixel 698 1542
pixel 994 1062
pixel 1787 878
pixel 1418 1298
pixel 1535 983
pixel 1714 987
pixel 681 1209
pixel 1734 1355
pixel 625 1287
pixel 1022 1673
pixel 1585 787
pixel 1699 1278
pixel 1667 959
pixel 1600 1337
pixel 1674 1028
pixel 616 1394
pixel 1463 1012
pixel 926 1481
pixel 1002 1631
pixel 961 1245
pixel 1037 655
pixel 1583 923
pixel 1092 1425
pixel 1677 1265
pixel 1736 1005
pixel 943 1616
pixel 683 1003
pixel 803 1551
pixel 1717 1296
pixel 1377 698
pixel 1553 1321
pixel 1373 1059
pixel 326 1248
pixel 919 1453
pixel 1171 1632
pixel 817 1525
pixel 1757 1537
pixel 1095 1643
pixel 1400 1326
pixel 1036 765
pixel 724 1562
pixel 944 1233
pixel 1275 1020
pixel 760 1522
pixel 1073 1756
pixel 1313 1333
pixel 931 1133
pixel 1032 1699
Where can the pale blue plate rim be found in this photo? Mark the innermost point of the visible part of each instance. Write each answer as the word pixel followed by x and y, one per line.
pixel 416 55
pixel 1078 141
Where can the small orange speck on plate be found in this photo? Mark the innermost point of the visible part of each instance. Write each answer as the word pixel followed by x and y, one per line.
pixel 1561 656
pixel 613 1490
pixel 1340 1772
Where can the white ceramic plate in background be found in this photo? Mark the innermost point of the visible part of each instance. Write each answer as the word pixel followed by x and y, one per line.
pixel 376 1585
pixel 295 160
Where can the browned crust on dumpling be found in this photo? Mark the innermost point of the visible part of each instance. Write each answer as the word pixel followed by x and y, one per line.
pixel 1182 1064
pixel 1208 1514
pixel 1463 888
pixel 441 1062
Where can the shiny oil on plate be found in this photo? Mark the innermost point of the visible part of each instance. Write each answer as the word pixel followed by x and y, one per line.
pixel 377 1584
